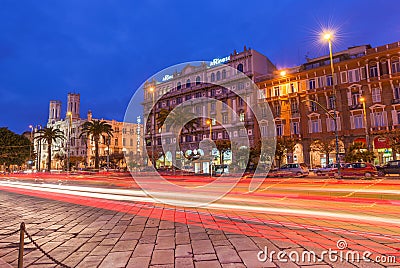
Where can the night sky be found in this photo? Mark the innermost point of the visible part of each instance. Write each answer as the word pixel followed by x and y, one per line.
pixel 106 49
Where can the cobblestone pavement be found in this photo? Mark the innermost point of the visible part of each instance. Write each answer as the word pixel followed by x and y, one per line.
pixel 89 236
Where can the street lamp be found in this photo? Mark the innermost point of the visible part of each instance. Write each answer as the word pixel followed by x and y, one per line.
pixel 151 89
pixel 328 37
pixel 69 116
pixel 30 147
pixel 363 100
pixel 209 123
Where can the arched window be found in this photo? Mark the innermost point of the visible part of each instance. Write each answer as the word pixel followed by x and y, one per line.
pixel 241 116
pixel 212 77
pixel 187 83
pixel 223 74
pixel 373 69
pixel 198 80
pixel 240 67
pixel 178 86
pixel 218 76
pixel 395 65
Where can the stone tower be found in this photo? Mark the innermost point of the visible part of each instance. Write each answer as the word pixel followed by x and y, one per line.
pixel 54 111
pixel 73 105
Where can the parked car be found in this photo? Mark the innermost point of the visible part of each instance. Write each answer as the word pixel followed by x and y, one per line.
pixel 392 167
pixel 359 169
pixel 299 170
pixel 328 169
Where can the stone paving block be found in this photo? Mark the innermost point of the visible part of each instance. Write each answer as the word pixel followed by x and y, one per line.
pixel 250 259
pixel 184 263
pixel 207 264
pixel 202 247
pixel 90 261
pixel 101 250
pixel 162 257
pixel 205 257
pixel 183 251
pixel 115 259
pixel 182 238
pixel 165 242
pixel 126 245
pixel 138 262
pixel 233 265
pixel 227 254
pixel 143 250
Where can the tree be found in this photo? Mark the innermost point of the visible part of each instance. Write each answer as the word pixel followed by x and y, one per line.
pixel 284 145
pixel 358 152
pixel 325 146
pixel 49 135
pixel 394 142
pixel 14 148
pixel 222 146
pixel 96 129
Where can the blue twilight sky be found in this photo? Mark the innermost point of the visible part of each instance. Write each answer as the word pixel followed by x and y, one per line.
pixel 105 49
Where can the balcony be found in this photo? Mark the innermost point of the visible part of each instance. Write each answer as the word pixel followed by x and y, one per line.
pixel 355 106
pixel 395 101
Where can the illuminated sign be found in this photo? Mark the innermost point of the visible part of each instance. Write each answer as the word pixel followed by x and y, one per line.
pixel 167 77
pixel 219 61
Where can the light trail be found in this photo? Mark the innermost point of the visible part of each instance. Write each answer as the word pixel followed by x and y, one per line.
pixel 195 200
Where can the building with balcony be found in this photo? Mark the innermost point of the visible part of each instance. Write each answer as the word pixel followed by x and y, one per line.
pixel 361 71
pixel 229 84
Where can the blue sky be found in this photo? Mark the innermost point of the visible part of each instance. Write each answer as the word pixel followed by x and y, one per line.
pixel 106 49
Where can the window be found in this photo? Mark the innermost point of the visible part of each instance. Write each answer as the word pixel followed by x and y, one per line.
pixel 358 121
pixel 354 75
pixel 343 77
pixel 295 128
pixel 188 97
pixel 241 116
pixel 276 91
pixel 384 67
pixel 311 83
pixel 355 98
pixel 320 80
pixel 197 95
pixel 396 93
pixel 241 101
pixel 188 83
pixel 279 130
pixel 278 110
pixel 198 80
pixel 241 86
pixel 376 95
pixel 263 112
pixel 225 119
pixel 395 65
pixel 363 74
pixel 179 100
pixel 198 110
pixel 178 86
pixel 314 107
pixel 240 68
pixel 331 102
pixel 294 107
pixel 123 142
pixel 293 89
pixel 223 74
pixel 373 70
pixel 218 75
pixel 116 142
pixel 264 131
pixel 213 105
pixel 315 126
pixel 212 77
pixel 212 92
pixel 378 119
pixel 329 80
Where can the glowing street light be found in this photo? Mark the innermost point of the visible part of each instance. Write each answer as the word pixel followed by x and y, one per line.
pixel 328 36
pixel 69 116
pixel 209 123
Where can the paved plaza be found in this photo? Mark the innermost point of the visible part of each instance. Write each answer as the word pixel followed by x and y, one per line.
pixel 90 232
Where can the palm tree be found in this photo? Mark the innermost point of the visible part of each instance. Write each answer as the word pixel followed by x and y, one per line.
pixel 96 128
pixel 49 135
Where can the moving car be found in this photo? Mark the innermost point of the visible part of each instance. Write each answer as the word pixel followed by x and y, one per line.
pixel 392 167
pixel 359 169
pixel 296 169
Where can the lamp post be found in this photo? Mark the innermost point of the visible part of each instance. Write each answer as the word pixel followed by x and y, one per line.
pixel 69 116
pixel 363 100
pixel 209 123
pixel 38 160
pixel 30 147
pixel 328 37
pixel 151 89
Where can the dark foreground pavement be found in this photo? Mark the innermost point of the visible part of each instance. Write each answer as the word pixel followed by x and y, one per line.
pixel 86 236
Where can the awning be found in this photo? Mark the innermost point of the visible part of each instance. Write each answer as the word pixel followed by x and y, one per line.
pixel 362 140
pixel 381 143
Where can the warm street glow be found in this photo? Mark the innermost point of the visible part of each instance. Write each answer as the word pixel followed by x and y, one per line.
pixel 283 73
pixel 208 122
pixel 151 89
pixel 362 99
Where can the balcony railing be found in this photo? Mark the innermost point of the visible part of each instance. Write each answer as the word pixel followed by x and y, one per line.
pixel 355 106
